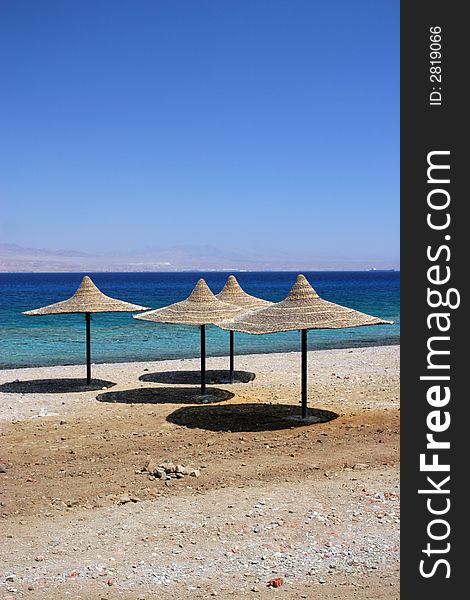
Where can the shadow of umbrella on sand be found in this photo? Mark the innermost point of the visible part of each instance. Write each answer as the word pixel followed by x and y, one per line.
pixel 87 299
pixel 201 308
pixel 303 309
pixel 233 293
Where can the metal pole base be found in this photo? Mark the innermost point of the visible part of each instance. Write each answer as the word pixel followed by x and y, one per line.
pixel 203 360
pixel 88 348
pixel 232 360
pixel 304 372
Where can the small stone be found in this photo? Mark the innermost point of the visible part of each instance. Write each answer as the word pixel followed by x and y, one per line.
pixel 110 581
pixel 360 466
pixel 39 558
pixel 10 578
pixel 194 473
pixel 126 498
pixel 150 465
pixel 3 468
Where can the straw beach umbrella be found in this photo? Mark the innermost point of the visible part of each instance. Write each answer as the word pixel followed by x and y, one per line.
pixel 232 293
pixel 87 299
pixel 201 308
pixel 303 309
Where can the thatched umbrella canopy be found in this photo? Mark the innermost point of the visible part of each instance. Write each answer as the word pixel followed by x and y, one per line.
pixel 233 293
pixel 87 299
pixel 303 309
pixel 201 308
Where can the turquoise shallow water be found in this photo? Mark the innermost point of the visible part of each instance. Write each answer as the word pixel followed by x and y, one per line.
pixel 60 340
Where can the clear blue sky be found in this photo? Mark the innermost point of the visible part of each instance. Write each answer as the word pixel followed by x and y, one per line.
pixel 246 124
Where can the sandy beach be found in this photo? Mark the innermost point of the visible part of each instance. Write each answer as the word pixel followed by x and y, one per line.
pixel 260 495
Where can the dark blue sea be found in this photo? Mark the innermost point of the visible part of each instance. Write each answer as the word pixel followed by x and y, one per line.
pixel 117 337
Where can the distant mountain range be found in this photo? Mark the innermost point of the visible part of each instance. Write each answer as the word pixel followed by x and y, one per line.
pixel 15 258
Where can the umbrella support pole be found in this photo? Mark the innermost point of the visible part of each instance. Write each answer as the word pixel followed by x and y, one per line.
pixel 232 375
pixel 88 348
pixel 304 372
pixel 203 360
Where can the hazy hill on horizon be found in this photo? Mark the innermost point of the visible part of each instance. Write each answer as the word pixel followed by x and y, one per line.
pixel 16 258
